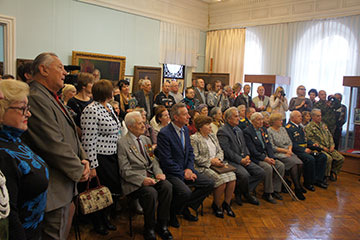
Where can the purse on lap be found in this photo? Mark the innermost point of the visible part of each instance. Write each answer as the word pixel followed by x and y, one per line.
pixel 224 169
pixel 94 199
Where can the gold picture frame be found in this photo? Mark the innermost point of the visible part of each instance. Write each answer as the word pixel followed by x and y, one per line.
pixel 130 79
pixel 111 67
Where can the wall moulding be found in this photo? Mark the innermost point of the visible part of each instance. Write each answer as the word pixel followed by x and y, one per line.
pixel 9 44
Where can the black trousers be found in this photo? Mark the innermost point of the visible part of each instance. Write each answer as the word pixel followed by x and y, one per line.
pixel 148 196
pixel 184 197
pixel 314 167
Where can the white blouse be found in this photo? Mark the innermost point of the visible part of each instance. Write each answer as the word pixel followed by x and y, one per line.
pixel 100 131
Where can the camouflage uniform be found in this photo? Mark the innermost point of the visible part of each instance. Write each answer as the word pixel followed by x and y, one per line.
pixel 314 164
pixel 328 113
pixel 320 134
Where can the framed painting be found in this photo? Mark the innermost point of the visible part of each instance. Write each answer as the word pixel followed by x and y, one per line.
pixel 151 73
pixel 130 79
pixel 111 67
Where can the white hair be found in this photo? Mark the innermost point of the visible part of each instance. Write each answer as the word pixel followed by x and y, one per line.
pixel 255 115
pixel 130 118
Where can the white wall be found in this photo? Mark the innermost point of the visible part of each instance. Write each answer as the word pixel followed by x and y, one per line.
pixel 1 43
pixel 61 26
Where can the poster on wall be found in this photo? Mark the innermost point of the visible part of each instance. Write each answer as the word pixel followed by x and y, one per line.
pixel 111 67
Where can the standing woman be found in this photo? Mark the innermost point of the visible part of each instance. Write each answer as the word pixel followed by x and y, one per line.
pixel 279 103
pixel 68 92
pixel 126 102
pixel 26 173
pixel 208 152
pixel 300 103
pixel 100 133
pixel 282 146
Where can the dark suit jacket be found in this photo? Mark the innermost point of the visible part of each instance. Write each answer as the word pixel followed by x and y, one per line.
pixel 257 152
pixel 240 100
pixel 140 97
pixel 173 158
pixel 52 135
pixel 297 136
pixel 230 143
pixel 198 96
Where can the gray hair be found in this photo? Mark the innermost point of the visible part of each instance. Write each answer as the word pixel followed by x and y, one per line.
pixel 227 87
pixel 174 111
pixel 256 115
pixel 214 111
pixel 45 58
pixel 130 118
pixel 314 110
pixel 145 81
pixel 293 113
pixel 229 112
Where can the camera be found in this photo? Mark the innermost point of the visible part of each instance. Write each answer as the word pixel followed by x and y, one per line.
pixel 71 78
pixel 331 98
pixel 282 93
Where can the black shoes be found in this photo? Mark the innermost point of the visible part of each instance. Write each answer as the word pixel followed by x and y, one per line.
pixel 238 199
pixel 217 211
pixel 101 229
pixel 188 216
pixel 163 232
pixel 251 199
pixel 228 209
pixel 149 234
pixel 321 185
pixel 299 194
pixel 174 222
pixel 333 177
pixel 309 187
pixel 277 196
pixel 268 197
pixel 109 225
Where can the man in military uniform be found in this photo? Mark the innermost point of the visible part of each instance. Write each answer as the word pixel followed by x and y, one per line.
pixel 319 133
pixel 314 162
pixel 328 110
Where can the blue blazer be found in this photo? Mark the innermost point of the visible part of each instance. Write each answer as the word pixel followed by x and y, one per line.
pixel 172 157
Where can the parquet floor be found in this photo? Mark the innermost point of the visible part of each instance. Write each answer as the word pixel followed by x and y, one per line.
pixel 325 214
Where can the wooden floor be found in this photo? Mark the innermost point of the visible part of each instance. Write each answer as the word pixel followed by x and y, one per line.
pixel 325 214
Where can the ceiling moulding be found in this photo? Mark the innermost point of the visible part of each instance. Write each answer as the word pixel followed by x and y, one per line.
pixel 188 12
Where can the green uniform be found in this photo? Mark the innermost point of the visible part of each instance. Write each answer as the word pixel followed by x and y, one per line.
pixel 328 113
pixel 320 134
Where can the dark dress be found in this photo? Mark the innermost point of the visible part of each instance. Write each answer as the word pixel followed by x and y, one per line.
pixel 27 179
pixel 78 106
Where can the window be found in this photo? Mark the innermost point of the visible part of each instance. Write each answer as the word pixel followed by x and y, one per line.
pixel 174 71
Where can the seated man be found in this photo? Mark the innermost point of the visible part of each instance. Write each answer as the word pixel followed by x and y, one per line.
pixel 261 151
pixel 142 177
pixel 177 161
pixel 319 133
pixel 232 142
pixel 314 164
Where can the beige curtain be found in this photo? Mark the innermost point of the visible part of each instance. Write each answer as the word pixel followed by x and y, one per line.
pixel 226 48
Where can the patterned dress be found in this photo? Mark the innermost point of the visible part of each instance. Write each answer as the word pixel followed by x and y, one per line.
pixel 27 180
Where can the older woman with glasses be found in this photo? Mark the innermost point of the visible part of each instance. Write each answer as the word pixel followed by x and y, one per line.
pixel 300 103
pixel 27 176
pixel 208 152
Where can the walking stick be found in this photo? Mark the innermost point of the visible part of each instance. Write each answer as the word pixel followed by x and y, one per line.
pixel 290 191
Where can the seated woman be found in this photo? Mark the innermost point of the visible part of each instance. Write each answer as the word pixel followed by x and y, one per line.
pixel 100 133
pixel 203 109
pixel 153 123
pixel 208 152
pixel 300 103
pixel 190 101
pixel 266 116
pixel 217 119
pixel 244 121
pixel 191 126
pixel 306 118
pixel 27 176
pixel 162 118
pixel 282 146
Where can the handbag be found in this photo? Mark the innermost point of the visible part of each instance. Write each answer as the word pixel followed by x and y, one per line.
pixel 94 199
pixel 224 169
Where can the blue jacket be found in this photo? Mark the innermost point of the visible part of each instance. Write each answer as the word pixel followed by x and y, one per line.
pixel 172 157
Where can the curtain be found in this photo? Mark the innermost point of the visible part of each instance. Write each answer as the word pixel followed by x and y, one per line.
pixel 226 49
pixel 178 44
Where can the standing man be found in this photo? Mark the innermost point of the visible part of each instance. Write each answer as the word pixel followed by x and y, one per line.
pixel 177 161
pixel 314 163
pixel 174 91
pixel 244 98
pixel 52 135
pixel 164 98
pixel 319 133
pixel 340 121
pixel 217 97
pixel 145 98
pixel 200 93
pixel 143 179
pixel 261 101
pixel 232 142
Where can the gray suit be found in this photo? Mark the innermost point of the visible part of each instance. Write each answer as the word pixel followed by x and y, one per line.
pixel 52 135
pixel 134 168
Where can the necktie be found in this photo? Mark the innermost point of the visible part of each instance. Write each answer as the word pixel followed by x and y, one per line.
pixel 141 148
pixel 182 137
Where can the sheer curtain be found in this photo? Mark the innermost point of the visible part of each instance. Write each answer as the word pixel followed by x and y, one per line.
pixel 178 44
pixel 226 48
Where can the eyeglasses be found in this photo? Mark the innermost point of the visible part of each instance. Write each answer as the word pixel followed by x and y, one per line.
pixel 24 109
